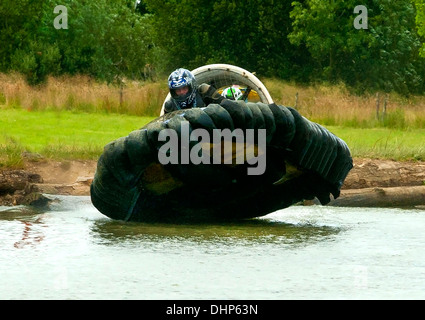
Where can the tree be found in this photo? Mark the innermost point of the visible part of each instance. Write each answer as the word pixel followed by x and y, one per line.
pixel 382 57
pixel 420 22
pixel 250 34
pixel 322 25
pixel 106 39
pixel 18 20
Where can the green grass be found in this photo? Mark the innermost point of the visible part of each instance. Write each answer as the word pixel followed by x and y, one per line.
pixel 60 135
pixel 383 143
pixel 76 135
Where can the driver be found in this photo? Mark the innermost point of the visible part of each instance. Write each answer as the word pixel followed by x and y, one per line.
pixel 232 93
pixel 186 94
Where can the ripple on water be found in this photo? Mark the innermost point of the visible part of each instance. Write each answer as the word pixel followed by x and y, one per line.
pixel 74 252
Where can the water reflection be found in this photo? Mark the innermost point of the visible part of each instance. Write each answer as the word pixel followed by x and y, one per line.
pixel 254 230
pixel 31 222
pixel 19 212
pixel 74 252
pixel 118 233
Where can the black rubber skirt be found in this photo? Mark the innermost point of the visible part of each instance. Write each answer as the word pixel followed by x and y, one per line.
pixel 303 161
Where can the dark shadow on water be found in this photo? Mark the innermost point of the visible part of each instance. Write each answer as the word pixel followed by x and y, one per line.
pixel 253 230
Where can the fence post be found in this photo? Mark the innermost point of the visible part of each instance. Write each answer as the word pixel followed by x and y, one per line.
pixel 377 106
pixel 384 112
pixel 121 94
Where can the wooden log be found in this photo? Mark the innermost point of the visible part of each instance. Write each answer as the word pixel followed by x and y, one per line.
pixel 381 197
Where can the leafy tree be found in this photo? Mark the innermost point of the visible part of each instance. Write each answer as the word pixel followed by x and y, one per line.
pixel 106 39
pixel 394 49
pixel 180 33
pixel 380 58
pixel 250 34
pixel 301 40
pixel 36 60
pixel 322 26
pixel 140 7
pixel 420 21
pixel 18 20
pixel 276 55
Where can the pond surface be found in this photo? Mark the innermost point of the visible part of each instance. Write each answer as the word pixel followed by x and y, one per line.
pixel 302 252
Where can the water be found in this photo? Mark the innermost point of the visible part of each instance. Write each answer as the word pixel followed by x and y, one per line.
pixel 74 252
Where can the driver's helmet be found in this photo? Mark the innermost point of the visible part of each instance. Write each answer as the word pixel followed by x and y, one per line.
pixel 232 93
pixel 181 78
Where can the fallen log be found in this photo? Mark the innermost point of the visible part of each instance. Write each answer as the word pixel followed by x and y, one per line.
pixel 394 197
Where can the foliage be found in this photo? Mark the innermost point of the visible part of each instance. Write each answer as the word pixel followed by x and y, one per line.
pixel 420 21
pixel 18 20
pixel 303 41
pixel 250 34
pixel 105 39
pixel 382 57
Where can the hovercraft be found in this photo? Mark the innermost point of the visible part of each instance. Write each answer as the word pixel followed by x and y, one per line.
pixel 146 177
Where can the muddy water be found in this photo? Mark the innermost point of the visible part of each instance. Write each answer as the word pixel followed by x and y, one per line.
pixel 74 252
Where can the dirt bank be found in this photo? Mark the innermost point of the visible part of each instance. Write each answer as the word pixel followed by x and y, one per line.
pixel 26 186
pixel 369 182
pixel 383 183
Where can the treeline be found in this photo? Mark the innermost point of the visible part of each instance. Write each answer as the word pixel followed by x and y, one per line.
pixel 303 41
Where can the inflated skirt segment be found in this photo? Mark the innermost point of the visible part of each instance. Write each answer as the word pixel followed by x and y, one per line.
pixel 303 161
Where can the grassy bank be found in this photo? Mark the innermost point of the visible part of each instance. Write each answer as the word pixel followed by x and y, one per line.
pixel 334 105
pixel 83 94
pixel 60 135
pixel 383 143
pixel 74 117
pixel 77 135
pixel 331 105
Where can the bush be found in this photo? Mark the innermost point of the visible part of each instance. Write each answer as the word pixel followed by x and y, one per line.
pixel 395 119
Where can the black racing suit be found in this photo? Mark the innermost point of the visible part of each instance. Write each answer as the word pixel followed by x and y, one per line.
pixel 205 94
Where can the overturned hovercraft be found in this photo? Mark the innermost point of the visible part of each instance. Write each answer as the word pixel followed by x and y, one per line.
pixel 303 160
